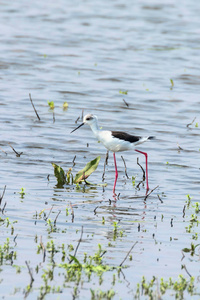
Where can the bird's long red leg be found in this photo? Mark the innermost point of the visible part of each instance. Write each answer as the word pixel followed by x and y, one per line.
pixel 146 159
pixel 116 173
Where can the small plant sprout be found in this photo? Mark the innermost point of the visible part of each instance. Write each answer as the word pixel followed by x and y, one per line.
pixel 65 106
pixel 188 201
pixel 51 104
pixel 22 193
pixel 133 180
pixel 172 84
pixel 197 209
pixel 123 92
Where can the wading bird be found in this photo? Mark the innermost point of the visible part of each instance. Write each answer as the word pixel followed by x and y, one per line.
pixel 116 141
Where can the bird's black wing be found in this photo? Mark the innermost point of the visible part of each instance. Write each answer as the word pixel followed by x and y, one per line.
pixel 125 136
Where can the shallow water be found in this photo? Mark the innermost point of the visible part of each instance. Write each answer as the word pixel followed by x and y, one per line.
pixel 85 53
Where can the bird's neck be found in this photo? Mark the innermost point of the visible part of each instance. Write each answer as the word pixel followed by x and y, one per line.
pixel 95 129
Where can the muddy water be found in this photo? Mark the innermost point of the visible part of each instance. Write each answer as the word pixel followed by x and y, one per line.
pixel 85 53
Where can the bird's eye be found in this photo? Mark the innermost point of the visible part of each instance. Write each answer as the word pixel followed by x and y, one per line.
pixel 88 118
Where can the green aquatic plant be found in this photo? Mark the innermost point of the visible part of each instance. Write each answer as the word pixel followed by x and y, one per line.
pixel 87 170
pixel 7 253
pixel 51 104
pixel 102 295
pixel 188 201
pixel 65 106
pixel 22 193
pixel 123 92
pixel 133 180
pixel 81 176
pixel 69 176
pixel 172 83
pixel 59 174
pixel 155 287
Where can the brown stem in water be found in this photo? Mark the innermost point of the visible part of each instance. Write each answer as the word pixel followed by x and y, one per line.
pixel 105 164
pixel 150 192
pixel 77 245
pixel 1 197
pixel 141 168
pixel 128 254
pixel 125 167
pixel 34 107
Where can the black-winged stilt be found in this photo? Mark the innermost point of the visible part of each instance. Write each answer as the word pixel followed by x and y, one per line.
pixel 115 141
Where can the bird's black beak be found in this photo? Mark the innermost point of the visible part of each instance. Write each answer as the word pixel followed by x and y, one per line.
pixel 77 127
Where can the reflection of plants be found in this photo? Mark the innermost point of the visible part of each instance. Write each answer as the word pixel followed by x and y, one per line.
pixel 193 224
pixel 6 253
pixel 116 231
pixel 99 294
pixel 153 288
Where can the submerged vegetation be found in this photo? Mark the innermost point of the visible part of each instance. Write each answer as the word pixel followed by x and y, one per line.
pixel 69 268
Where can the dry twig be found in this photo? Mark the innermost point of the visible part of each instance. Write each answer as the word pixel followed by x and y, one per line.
pixel 2 210
pixel 34 107
pixel 191 122
pixel 30 272
pixel 56 217
pixel 14 240
pixel 150 192
pixel 184 267
pixel 125 167
pixel 74 160
pixel 77 245
pixel 3 150
pixel 49 213
pixel 43 249
pixel 17 154
pixel 1 197
pixel 184 211
pixel 126 103
pixel 160 198
pixel 105 164
pixel 72 213
pixel 141 168
pixel 128 254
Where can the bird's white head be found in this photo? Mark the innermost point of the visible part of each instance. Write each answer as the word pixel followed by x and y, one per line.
pixel 90 120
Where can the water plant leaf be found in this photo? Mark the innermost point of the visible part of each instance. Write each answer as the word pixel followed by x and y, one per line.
pixel 186 250
pixel 87 170
pixel 60 174
pixel 73 258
